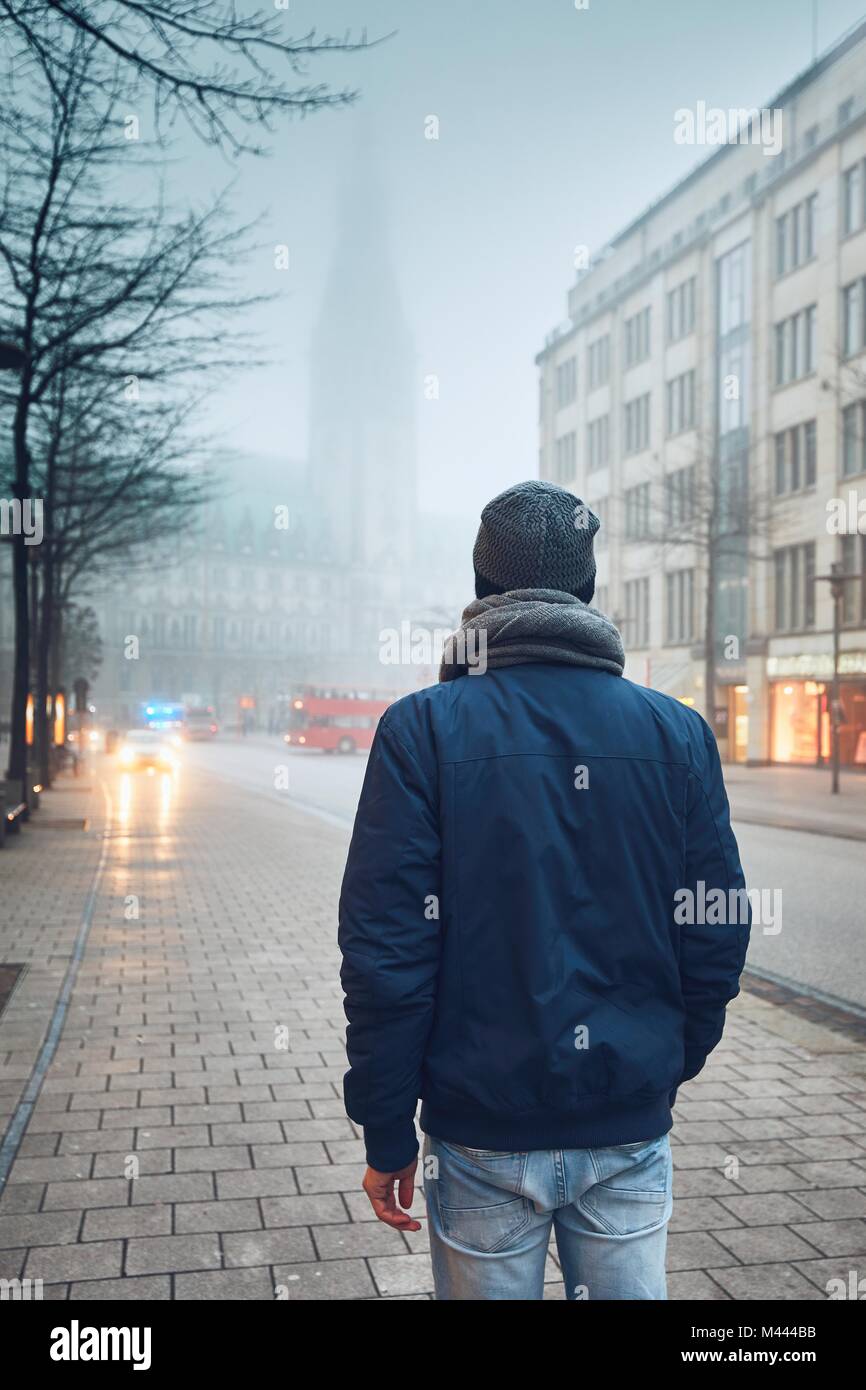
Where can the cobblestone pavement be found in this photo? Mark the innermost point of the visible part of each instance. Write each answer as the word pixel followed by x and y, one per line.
pixel 174 1150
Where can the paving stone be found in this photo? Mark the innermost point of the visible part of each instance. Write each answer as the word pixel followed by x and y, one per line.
pixel 288 1155
pixel 835 1237
pixel 228 1284
pixel 22 1197
pixel 174 1187
pixel 273 1182
pixel 106 1223
pixel 273 1246
pixel 91 1141
pixel 691 1284
pixel 300 1131
pixel 302 1211
pixel 769 1177
pixel 835 1202
pixel 96 1260
pixel 242 1214
pixel 403 1274
pixel 700 1214
pixel 353 1240
pixel 701 1182
pixel 264 1132
pixel 335 1279
pixel 143 1289
pixel 762 1244
pixel 41 1228
pixel 212 1159
pixel 768 1208
pixel 50 1169
pixel 770 1282
pixel 148 1162
pixel 831 1173
pixel 166 1254
pixel 178 1136
pixel 839 1278
pixel 332 1177
pixel 696 1250
pixel 102 1192
pixel 206 1114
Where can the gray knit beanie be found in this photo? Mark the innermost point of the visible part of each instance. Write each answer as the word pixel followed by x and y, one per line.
pixel 536 535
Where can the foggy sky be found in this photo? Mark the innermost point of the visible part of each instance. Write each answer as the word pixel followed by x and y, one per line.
pixel 556 128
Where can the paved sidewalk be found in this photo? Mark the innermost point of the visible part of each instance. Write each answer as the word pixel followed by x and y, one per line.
pixel 176 1151
pixel 798 798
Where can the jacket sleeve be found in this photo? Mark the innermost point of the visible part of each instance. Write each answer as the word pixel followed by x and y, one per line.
pixel 713 941
pixel 389 939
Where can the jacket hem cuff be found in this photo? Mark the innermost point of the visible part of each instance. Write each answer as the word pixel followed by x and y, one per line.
pixel 390 1147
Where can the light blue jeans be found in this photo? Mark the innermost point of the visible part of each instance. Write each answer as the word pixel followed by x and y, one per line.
pixel 490 1217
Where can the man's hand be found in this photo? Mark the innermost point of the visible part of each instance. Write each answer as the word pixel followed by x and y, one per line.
pixel 379 1187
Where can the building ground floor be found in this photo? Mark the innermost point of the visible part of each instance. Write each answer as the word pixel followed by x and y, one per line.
pixel 775 704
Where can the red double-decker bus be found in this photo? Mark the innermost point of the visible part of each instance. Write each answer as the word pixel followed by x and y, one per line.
pixel 334 718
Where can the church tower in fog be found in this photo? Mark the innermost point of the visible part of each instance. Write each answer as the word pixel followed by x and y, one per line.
pixel 363 390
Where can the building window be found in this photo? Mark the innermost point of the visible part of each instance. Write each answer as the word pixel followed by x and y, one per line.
pixel 602 510
pixel 598 442
pixel 795 458
pixel 637 338
pixel 795 346
pixel 854 439
pixel 637 424
pixel 681 310
pixel 598 362
pixel 680 606
pixel 565 457
pixel 681 403
pixel 853 198
pixel 853 318
pixel 566 382
pixel 795 235
pixel 734 289
pixel 637 625
pixel 853 558
pixel 637 512
pixel 601 598
pixel 794 567
pixel 845 111
pixel 680 495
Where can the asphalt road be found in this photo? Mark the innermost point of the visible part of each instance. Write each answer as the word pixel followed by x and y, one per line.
pixel 819 881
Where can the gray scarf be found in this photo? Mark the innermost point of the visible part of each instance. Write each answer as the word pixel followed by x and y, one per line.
pixel 531 625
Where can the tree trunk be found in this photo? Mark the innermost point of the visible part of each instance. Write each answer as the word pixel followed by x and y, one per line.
pixel 17 771
pixel 43 686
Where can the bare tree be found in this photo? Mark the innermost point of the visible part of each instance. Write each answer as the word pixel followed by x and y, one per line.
pixel 712 511
pixel 116 297
pixel 228 75
pixel 117 479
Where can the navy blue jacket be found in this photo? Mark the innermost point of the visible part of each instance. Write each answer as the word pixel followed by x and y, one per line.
pixel 517 950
